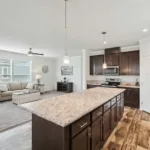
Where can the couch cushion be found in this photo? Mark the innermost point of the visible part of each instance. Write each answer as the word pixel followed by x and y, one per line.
pixel 6 94
pixel 23 85
pixel 3 88
pixel 14 86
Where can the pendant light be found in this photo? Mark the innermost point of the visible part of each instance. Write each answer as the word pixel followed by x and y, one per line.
pixel 105 42
pixel 66 58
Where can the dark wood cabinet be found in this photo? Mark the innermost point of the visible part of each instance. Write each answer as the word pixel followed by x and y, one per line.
pixel 106 124
pixel 65 87
pixel 112 59
pixel 92 86
pixel 81 141
pixel 96 65
pixel 97 139
pixel 131 97
pixel 90 132
pixel 124 64
pixel 134 63
pixel 114 116
pixel 129 63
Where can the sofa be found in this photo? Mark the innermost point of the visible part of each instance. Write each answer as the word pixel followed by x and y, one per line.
pixel 12 87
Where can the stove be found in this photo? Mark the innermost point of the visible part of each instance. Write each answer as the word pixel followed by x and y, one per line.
pixel 111 82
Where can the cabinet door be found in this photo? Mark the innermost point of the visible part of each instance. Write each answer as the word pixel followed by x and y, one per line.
pixel 131 98
pixel 113 116
pixel 134 63
pixel 99 60
pixel 112 59
pixel 122 106
pixel 92 65
pixel 82 140
pixel 96 65
pixel 124 64
pixel 106 124
pixel 119 115
pixel 97 140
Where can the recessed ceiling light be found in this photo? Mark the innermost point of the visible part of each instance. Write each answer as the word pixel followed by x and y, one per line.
pixel 145 30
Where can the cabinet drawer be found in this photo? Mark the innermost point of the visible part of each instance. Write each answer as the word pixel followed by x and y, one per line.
pixel 97 113
pixel 122 94
pixel 107 106
pixel 113 101
pixel 118 97
pixel 80 124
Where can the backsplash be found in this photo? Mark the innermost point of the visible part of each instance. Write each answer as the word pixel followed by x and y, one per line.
pixel 124 79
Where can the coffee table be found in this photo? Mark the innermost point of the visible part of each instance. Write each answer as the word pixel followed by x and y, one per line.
pixel 25 96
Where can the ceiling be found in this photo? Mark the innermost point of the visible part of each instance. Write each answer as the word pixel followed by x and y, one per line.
pixel 40 24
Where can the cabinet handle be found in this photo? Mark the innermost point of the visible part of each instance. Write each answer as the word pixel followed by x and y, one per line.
pixel 99 113
pixel 83 125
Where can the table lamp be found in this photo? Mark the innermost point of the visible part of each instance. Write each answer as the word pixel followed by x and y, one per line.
pixel 38 77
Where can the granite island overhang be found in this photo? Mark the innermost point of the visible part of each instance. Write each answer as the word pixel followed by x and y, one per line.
pixel 66 122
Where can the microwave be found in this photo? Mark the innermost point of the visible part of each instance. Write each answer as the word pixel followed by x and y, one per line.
pixel 111 71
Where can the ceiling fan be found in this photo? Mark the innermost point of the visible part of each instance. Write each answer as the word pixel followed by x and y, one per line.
pixel 30 53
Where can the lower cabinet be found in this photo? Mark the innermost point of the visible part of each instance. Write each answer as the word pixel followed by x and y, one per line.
pixel 114 120
pixel 97 139
pixel 106 124
pixel 92 131
pixel 82 140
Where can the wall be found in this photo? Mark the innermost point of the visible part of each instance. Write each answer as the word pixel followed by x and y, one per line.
pixel 77 72
pixel 145 74
pixel 124 79
pixel 37 63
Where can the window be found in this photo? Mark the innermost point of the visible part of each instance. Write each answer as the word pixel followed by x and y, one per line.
pixel 15 71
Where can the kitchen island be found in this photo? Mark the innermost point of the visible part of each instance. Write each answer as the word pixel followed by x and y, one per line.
pixel 76 121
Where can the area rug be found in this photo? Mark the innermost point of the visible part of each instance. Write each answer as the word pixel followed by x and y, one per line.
pixel 11 115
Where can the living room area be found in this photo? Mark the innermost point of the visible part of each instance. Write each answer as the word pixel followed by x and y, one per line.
pixel 23 79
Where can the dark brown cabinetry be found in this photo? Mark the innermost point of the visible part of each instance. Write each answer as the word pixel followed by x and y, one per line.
pixel 129 63
pixel 96 64
pixel 81 141
pixel 65 87
pixel 114 116
pixel 97 139
pixel 112 59
pixel 131 97
pixel 107 124
pixel 90 132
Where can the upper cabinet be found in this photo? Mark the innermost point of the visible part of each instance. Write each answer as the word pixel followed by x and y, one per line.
pixel 112 59
pixel 129 63
pixel 96 65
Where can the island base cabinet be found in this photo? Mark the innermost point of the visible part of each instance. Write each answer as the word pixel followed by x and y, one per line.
pixel 114 116
pixel 82 140
pixel 106 124
pixel 97 140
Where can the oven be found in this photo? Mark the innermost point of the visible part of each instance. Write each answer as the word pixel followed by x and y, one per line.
pixel 111 71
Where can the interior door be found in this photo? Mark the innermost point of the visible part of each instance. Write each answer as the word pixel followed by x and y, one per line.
pixel 145 84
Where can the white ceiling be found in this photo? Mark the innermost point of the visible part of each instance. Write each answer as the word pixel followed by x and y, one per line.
pixel 40 24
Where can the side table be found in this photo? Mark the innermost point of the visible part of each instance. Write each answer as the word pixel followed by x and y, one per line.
pixel 39 87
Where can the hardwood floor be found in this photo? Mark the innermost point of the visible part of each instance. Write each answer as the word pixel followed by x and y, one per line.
pixel 131 133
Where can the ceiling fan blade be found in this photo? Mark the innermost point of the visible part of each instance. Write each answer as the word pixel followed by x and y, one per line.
pixel 37 54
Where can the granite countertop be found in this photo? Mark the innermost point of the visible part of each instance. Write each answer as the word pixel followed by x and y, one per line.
pixel 129 86
pixel 65 109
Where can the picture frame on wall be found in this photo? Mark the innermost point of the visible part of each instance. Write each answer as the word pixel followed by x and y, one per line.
pixel 67 70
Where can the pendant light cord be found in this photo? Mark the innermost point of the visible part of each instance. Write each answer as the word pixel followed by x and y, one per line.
pixel 66 27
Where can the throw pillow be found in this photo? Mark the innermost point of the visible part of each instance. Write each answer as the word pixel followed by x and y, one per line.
pixel 30 86
pixel 3 88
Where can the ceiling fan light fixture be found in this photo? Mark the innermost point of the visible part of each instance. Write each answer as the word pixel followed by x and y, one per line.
pixel 30 53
